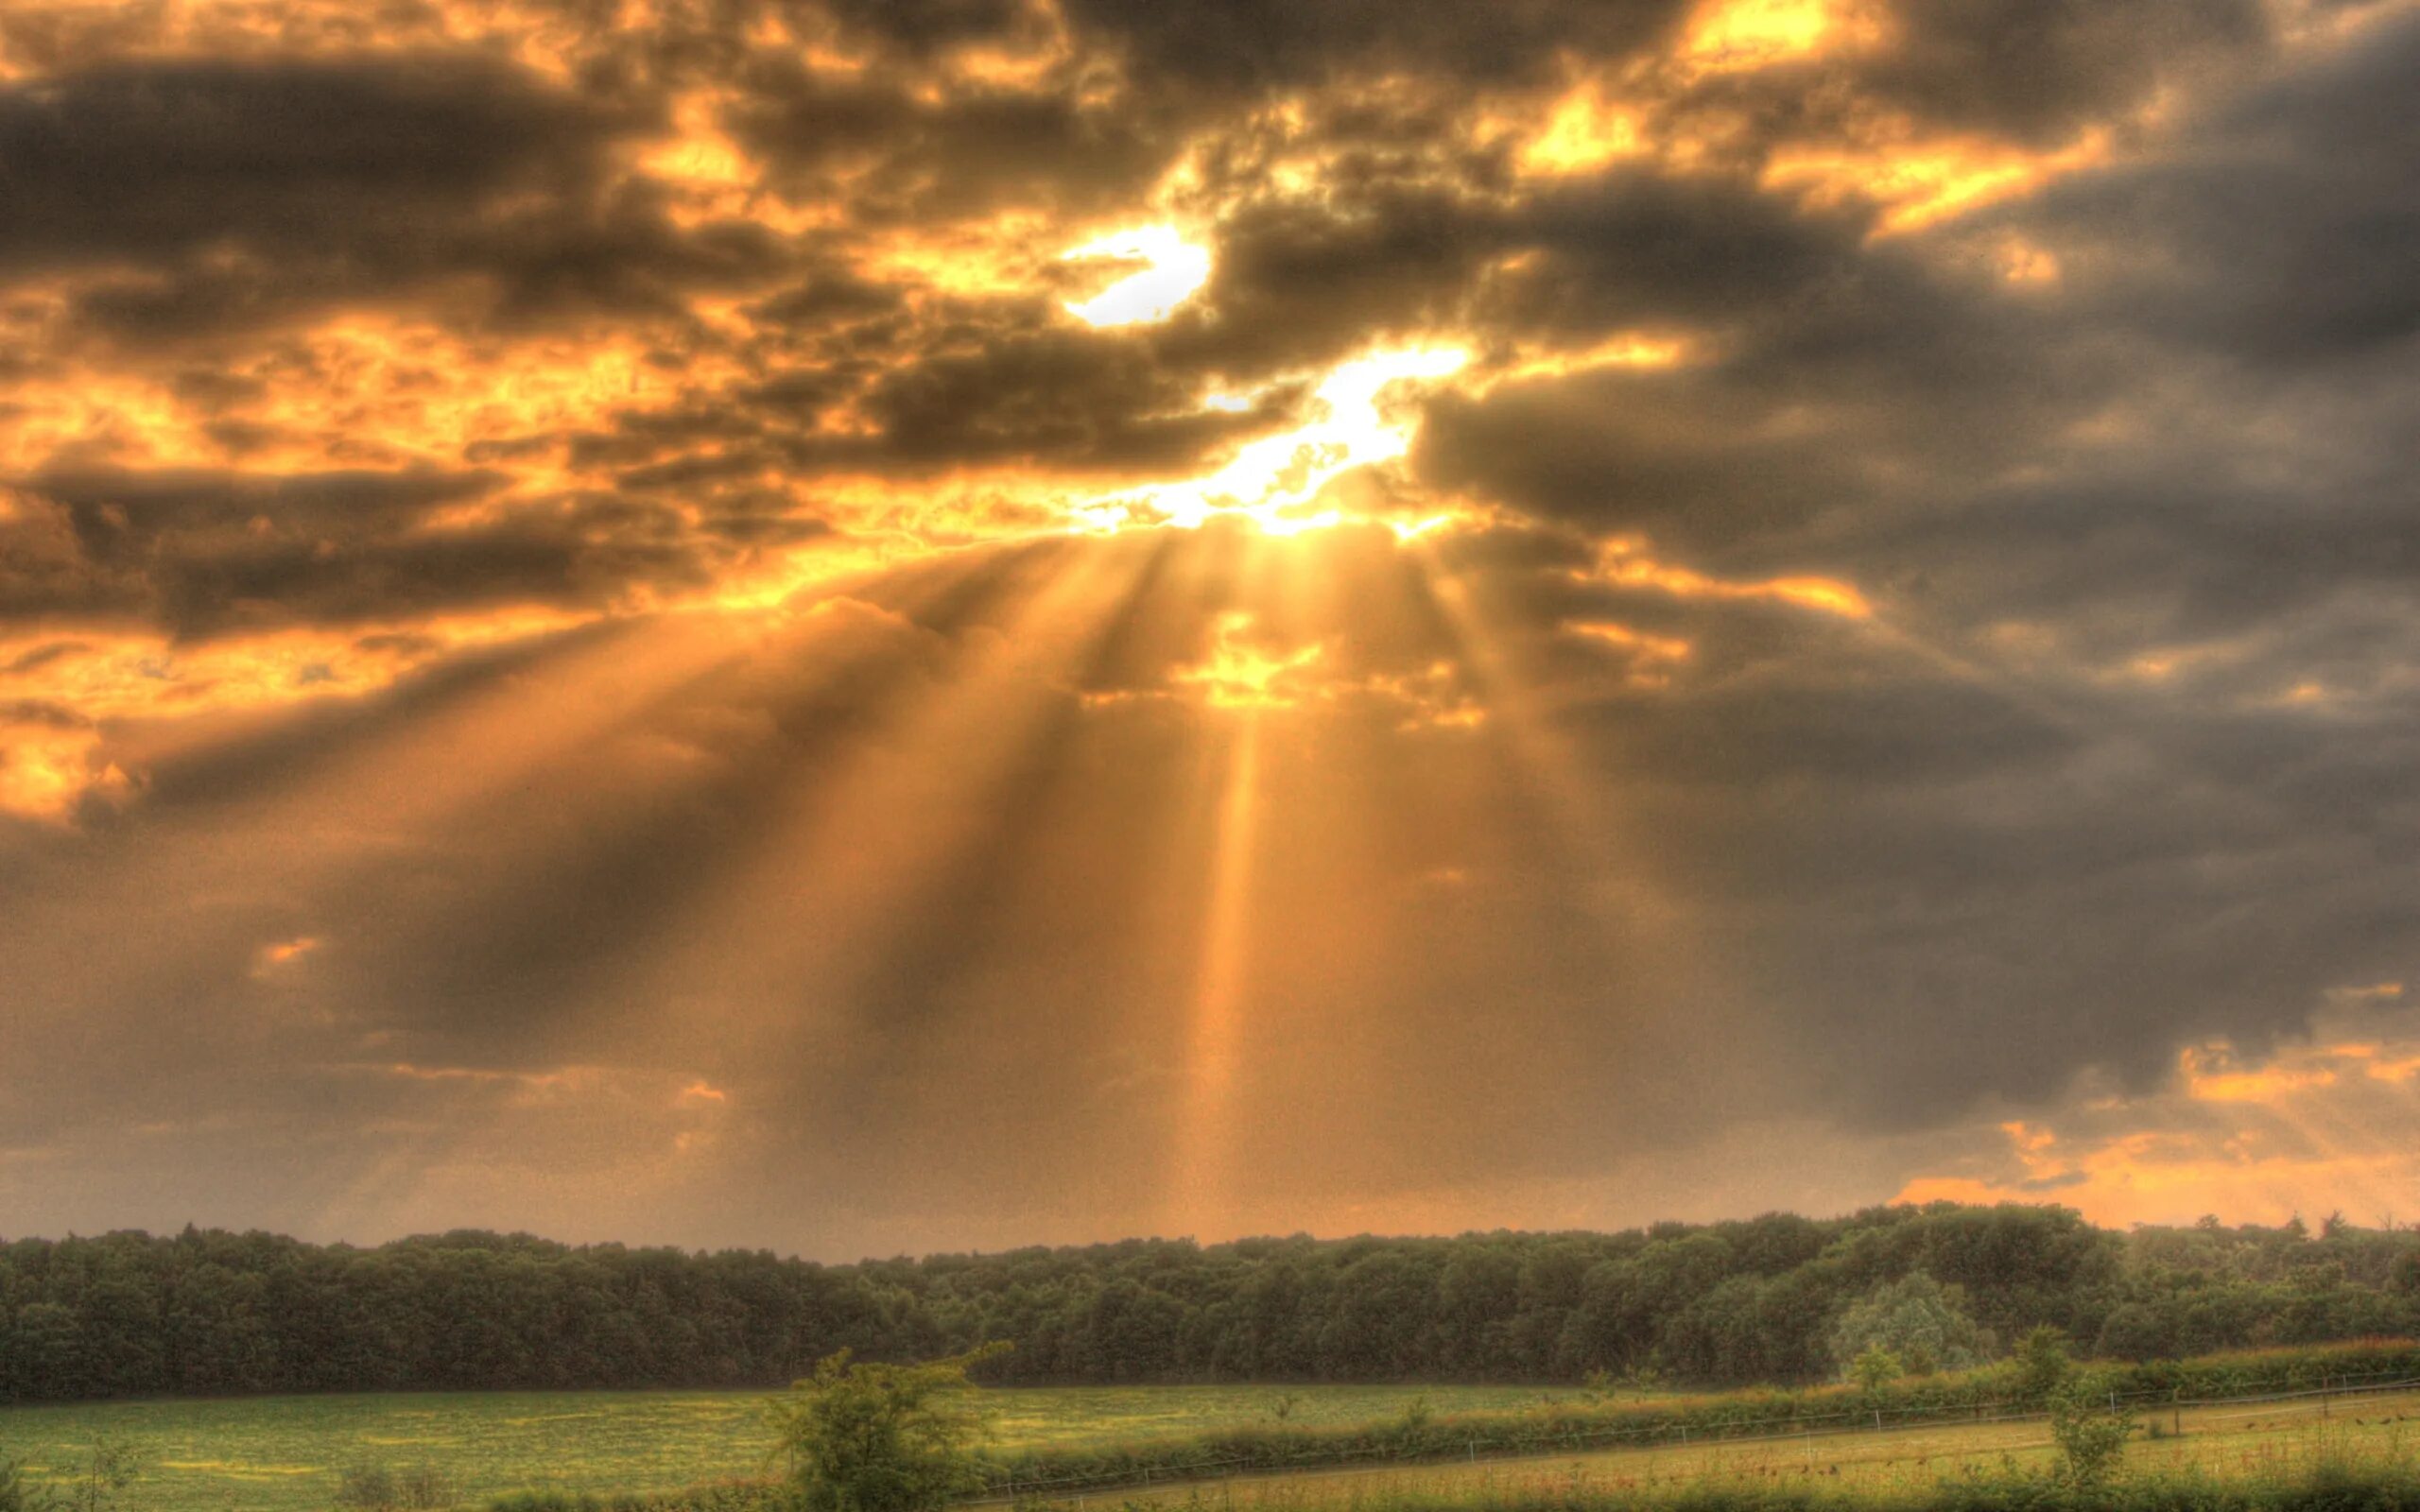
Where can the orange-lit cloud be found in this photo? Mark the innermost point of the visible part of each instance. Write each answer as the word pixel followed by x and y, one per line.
pixel 1748 34
pixel 2309 1127
pixel 1625 564
pixel 1917 183
pixel 1584 134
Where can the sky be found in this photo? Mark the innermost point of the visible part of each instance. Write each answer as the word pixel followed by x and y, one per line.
pixel 866 627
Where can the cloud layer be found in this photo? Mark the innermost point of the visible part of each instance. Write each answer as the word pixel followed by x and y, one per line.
pixel 862 626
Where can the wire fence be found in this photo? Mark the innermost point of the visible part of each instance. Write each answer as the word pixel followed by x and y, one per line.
pixel 1440 1447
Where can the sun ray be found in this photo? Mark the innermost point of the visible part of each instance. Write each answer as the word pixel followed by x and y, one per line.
pixel 1203 1186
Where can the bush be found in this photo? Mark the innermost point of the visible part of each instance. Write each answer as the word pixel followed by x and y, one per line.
pixel 377 1489
pixel 112 1467
pixel 1875 1368
pixel 2091 1433
pixel 2042 1363
pixel 17 1494
pixel 880 1438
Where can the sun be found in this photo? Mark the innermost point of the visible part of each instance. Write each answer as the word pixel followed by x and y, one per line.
pixel 1173 269
pixel 1277 482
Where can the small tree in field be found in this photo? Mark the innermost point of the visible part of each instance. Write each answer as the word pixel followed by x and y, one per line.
pixel 2091 1433
pixel 94 1487
pixel 2042 1363
pixel 880 1438
pixel 1875 1368
pixel 16 1493
pixel 371 1488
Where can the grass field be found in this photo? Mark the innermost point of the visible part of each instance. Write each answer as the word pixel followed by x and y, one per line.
pixel 2227 1442
pixel 284 1453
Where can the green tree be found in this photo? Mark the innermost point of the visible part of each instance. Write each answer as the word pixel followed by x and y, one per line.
pixel 860 1438
pixel 17 1494
pixel 1916 1318
pixel 2042 1362
pixel 2091 1432
pixel 1876 1367
pixel 2403 1274
pixel 112 1467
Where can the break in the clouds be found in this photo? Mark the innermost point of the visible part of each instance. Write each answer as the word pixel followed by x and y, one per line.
pixel 867 626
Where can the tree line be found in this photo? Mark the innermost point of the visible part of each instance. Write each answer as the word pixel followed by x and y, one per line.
pixel 1779 1299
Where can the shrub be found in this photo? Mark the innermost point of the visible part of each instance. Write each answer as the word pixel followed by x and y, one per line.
pixel 2091 1434
pixel 1875 1368
pixel 880 1438
pixel 2042 1363
pixel 112 1467
pixel 377 1489
pixel 16 1493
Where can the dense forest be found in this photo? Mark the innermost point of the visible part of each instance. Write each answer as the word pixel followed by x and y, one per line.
pixel 1775 1299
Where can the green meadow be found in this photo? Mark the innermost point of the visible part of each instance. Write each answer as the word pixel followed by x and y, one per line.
pixel 285 1454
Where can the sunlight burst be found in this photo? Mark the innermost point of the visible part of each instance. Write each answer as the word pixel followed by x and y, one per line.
pixel 1173 269
pixel 1274 481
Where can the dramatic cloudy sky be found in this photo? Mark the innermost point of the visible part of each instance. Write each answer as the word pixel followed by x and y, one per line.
pixel 860 625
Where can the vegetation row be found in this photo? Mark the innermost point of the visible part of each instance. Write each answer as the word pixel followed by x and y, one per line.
pixel 2025 1384
pixel 1767 1299
pixel 2361 1488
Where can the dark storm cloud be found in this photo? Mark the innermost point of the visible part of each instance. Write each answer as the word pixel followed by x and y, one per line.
pixel 1882 403
pixel 1978 869
pixel 1053 397
pixel 151 162
pixel 898 158
pixel 1271 47
pixel 2279 230
pixel 2037 72
pixel 1300 279
pixel 120 515
pixel 216 196
pixel 1967 883
pixel 207 554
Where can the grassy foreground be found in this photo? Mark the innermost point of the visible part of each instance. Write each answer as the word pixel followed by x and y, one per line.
pixel 285 1454
pixel 2239 1444
pixel 1969 1399
pixel 2219 1455
pixel 2333 1484
pixel 2330 1487
pixel 1275 1445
